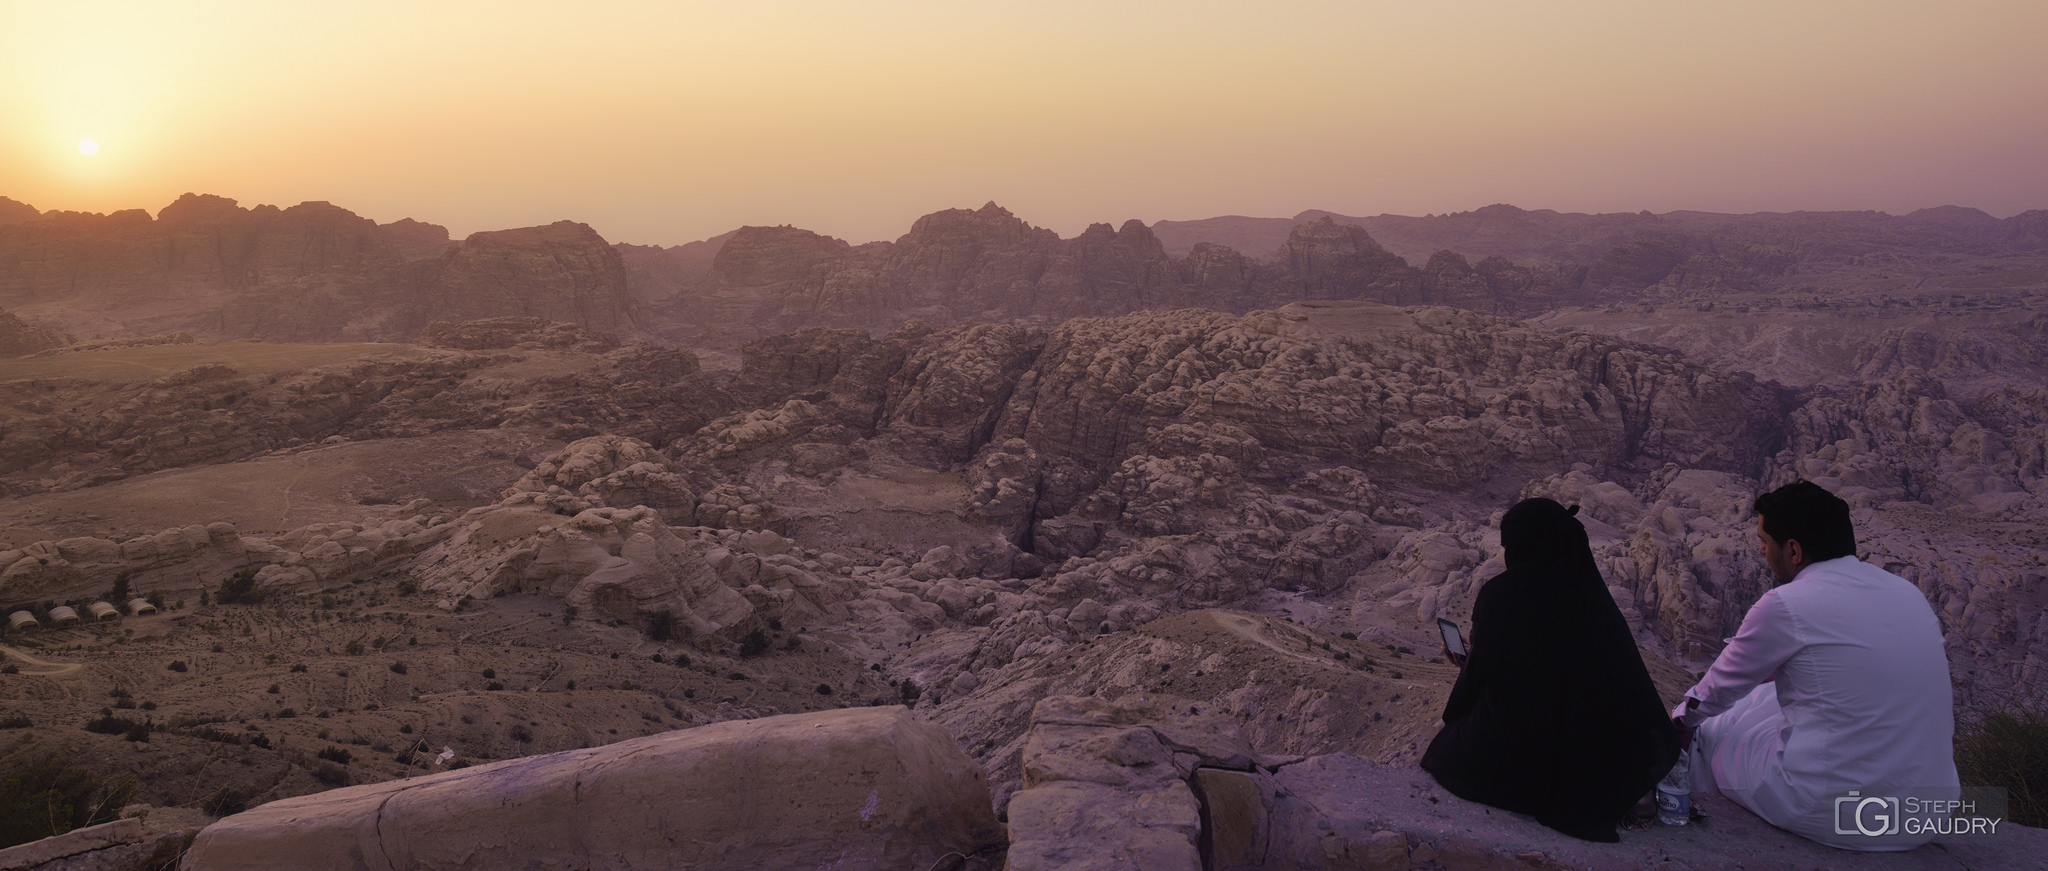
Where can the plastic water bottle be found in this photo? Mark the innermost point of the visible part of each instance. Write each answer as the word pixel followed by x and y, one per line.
pixel 1674 792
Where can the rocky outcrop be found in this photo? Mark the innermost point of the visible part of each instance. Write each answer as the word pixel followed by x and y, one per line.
pixel 561 272
pixel 205 264
pixel 623 564
pixel 122 845
pixel 656 273
pixel 1107 785
pixel 312 272
pixel 20 339
pixel 1151 783
pixel 13 211
pixel 524 373
pixel 200 556
pixel 860 787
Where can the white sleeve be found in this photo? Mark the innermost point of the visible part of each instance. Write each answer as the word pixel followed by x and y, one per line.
pixel 1763 644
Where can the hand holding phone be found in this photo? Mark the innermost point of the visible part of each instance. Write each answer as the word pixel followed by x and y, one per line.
pixel 1454 642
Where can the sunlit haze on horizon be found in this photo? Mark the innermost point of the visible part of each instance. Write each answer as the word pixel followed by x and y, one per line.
pixel 663 123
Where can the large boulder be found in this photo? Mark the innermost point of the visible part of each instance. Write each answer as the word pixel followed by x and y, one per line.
pixel 854 788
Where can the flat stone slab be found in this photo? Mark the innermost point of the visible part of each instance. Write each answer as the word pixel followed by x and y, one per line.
pixel 1339 811
pixel 859 788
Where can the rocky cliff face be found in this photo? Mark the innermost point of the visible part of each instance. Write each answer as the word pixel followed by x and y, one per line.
pixel 19 339
pixel 312 272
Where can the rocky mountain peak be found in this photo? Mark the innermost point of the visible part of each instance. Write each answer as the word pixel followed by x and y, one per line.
pixel 14 211
pixel 191 209
pixel 767 255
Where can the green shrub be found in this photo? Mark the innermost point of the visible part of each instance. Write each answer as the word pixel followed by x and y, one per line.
pixel 240 589
pixel 108 724
pixel 755 644
pixel 331 774
pixel 661 625
pixel 2008 747
pixel 46 796
pixel 225 802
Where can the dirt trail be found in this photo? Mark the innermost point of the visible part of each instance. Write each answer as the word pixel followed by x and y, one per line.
pixel 39 667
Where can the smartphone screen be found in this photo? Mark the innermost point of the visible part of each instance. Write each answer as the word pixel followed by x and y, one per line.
pixel 1454 643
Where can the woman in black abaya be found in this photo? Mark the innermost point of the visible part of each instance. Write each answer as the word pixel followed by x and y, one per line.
pixel 1554 714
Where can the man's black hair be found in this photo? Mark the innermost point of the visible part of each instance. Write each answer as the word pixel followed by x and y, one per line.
pixel 1804 512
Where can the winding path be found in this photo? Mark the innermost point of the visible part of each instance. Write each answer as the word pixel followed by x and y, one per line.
pixel 39 667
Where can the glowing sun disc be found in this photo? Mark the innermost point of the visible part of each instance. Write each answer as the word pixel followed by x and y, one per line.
pixel 88 148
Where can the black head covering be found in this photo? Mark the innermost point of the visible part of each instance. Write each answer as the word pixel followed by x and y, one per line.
pixel 1554 714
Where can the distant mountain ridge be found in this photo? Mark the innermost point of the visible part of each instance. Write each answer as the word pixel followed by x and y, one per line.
pixel 1521 235
pixel 317 272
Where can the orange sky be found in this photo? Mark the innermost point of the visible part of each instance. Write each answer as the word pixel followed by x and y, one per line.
pixel 665 122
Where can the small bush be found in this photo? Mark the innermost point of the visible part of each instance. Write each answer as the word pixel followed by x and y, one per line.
pixel 398 667
pixel 405 729
pixel 521 734
pixel 108 724
pixel 908 689
pixel 286 713
pixel 331 774
pixel 754 644
pixel 2008 747
pixel 274 689
pixel 47 796
pixel 336 754
pixel 490 673
pixel 661 625
pixel 18 721
pixel 177 665
pixel 138 733
pixel 824 689
pixel 225 802
pixel 240 589
pixel 299 668
pixel 494 686
pixel 354 648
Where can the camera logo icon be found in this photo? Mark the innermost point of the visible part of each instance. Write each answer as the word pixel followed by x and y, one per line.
pixel 1870 815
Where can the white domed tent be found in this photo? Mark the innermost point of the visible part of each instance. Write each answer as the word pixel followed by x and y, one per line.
pixel 141 606
pixel 20 620
pixel 102 611
pixel 62 615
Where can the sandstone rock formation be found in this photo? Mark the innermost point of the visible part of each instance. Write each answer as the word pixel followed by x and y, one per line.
pixel 1150 783
pixel 855 788
pixel 20 339
pixel 77 419
pixel 312 272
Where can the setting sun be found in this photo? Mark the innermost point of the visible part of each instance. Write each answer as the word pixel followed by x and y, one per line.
pixel 88 148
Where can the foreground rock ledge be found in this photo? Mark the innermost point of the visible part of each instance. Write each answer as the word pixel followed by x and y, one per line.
pixel 856 788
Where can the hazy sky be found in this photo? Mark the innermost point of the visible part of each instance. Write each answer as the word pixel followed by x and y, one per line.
pixel 666 122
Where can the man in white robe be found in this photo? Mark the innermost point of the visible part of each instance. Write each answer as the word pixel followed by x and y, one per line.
pixel 1837 681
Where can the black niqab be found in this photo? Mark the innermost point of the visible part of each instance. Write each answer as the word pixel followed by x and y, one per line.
pixel 1554 714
